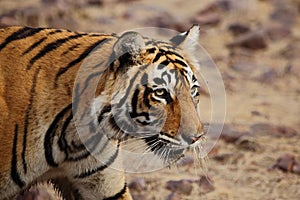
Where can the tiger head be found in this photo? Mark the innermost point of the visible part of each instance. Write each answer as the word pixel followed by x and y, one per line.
pixel 156 93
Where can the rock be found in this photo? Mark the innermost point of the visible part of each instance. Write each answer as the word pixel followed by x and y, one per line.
pixel 156 17
pixel 182 186
pixel 254 40
pixel 222 157
pixel 245 67
pixel 217 6
pixel 173 196
pixel 268 77
pixel 286 131
pixel 230 135
pixel 285 163
pixel 248 143
pixel 296 168
pixel 293 67
pixel 138 184
pixel 207 19
pixel 277 31
pixel 256 113
pixel 95 2
pixel 139 197
pixel 7 21
pixel 284 14
pixel 238 29
pixel 126 1
pixel 273 130
pixel 206 184
pixel 186 161
pixel 291 51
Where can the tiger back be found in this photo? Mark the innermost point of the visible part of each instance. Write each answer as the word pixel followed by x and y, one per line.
pixel 38 136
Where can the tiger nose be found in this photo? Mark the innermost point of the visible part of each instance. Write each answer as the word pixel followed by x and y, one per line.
pixel 190 139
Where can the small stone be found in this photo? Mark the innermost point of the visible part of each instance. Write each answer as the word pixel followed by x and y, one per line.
pixel 7 21
pixel 244 67
pixel 273 130
pixel 95 2
pixel 248 143
pixel 277 31
pixel 238 29
pixel 138 184
pixel 286 163
pixel 268 77
pixel 222 157
pixel 182 186
pixel 207 19
pixel 206 184
pixel 254 40
pixel 186 161
pixel 256 113
pixel 293 67
pixel 286 131
pixel 217 6
pixel 139 197
pixel 230 135
pixel 296 168
pixel 173 196
pixel 291 51
pixel 284 14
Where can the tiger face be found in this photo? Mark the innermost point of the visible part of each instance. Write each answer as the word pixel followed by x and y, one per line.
pixel 155 99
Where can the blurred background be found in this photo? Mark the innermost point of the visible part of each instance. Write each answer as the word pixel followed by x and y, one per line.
pixel 255 44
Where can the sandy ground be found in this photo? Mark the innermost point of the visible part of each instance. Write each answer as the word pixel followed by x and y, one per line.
pixel 262 87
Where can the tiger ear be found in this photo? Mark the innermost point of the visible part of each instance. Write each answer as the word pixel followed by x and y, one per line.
pixel 129 42
pixel 188 40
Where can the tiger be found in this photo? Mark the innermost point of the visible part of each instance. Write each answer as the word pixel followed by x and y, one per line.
pixel 145 91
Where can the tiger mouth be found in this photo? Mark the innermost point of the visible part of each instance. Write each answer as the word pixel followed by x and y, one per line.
pixel 170 149
pixel 164 146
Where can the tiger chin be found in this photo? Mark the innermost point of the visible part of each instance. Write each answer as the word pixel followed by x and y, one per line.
pixel 144 93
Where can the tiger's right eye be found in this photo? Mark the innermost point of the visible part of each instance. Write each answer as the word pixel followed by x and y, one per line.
pixel 160 92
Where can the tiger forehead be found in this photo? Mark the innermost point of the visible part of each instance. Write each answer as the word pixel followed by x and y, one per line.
pixel 164 55
pixel 168 57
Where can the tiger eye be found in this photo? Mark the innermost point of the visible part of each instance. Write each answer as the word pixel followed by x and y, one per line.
pixel 160 92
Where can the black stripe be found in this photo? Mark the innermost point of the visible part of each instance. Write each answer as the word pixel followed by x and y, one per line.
pixel 71 48
pixel 76 99
pixel 122 101
pixel 14 169
pixel 63 70
pixel 118 195
pixel 48 141
pixel 134 105
pixel 100 168
pixel 27 115
pixel 94 140
pixel 88 79
pixel 20 34
pixel 180 62
pixel 156 58
pixel 62 142
pixel 146 95
pixel 52 46
pixel 174 53
pixel 34 45
pixel 55 31
pixel 152 50
pixel 106 109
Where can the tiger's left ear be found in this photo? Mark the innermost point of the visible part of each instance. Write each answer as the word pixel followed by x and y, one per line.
pixel 188 40
pixel 130 42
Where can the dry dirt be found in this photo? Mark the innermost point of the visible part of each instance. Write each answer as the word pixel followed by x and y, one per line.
pixel 262 86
